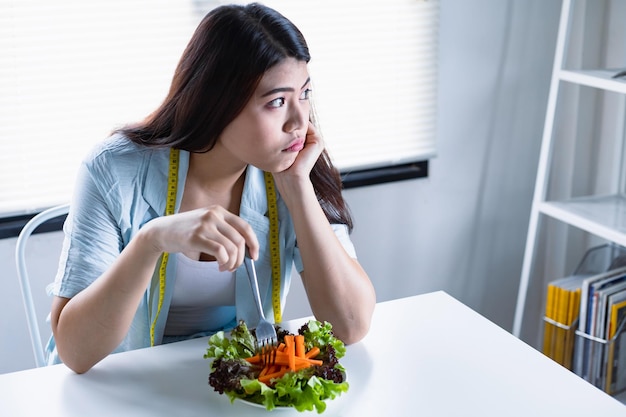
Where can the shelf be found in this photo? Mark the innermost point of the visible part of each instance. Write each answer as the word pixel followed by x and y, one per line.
pixel 603 216
pixel 600 78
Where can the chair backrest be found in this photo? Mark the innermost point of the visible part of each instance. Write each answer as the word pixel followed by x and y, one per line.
pixel 22 275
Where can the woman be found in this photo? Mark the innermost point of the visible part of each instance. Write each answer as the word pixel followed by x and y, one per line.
pixel 238 106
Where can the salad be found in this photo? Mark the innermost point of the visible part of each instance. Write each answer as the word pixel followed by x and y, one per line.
pixel 303 380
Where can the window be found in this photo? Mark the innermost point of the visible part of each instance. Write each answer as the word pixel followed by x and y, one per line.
pixel 71 71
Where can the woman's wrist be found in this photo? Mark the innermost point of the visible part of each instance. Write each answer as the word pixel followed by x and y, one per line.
pixel 293 189
pixel 147 241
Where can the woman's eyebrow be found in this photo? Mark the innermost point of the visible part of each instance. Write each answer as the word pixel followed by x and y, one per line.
pixel 284 89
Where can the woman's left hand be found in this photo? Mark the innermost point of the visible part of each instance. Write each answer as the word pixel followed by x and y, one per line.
pixel 302 166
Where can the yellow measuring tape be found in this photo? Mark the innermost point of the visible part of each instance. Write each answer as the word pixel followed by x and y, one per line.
pixel 170 208
pixel 272 209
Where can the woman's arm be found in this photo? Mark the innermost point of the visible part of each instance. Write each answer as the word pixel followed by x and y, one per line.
pixel 338 288
pixel 92 324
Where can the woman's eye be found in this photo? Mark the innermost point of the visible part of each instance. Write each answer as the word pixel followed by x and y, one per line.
pixel 306 94
pixel 277 102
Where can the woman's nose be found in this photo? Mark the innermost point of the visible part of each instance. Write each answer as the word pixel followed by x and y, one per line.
pixel 298 118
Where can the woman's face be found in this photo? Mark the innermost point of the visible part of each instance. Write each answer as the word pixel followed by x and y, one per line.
pixel 270 130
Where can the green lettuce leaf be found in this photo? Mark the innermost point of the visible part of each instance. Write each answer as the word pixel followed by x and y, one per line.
pixel 240 345
pixel 294 389
pixel 321 335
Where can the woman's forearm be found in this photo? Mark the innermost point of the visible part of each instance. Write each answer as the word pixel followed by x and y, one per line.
pixel 338 288
pixel 93 323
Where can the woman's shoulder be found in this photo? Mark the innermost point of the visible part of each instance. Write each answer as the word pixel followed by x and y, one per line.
pixel 118 153
pixel 118 160
pixel 119 146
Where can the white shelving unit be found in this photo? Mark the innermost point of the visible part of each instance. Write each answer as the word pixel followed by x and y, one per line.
pixel 603 216
pixel 585 216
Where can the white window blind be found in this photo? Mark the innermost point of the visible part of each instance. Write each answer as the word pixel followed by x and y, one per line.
pixel 374 73
pixel 71 71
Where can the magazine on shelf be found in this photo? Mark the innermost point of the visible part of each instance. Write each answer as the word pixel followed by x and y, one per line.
pixel 599 351
pixel 616 353
pixel 586 349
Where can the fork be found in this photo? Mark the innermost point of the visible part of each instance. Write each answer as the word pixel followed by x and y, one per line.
pixel 266 339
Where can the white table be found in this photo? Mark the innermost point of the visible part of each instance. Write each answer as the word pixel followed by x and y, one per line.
pixel 453 362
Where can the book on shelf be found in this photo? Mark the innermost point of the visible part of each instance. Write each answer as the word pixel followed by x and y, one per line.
pixel 562 310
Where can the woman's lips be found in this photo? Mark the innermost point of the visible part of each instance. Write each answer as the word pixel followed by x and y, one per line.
pixel 295 146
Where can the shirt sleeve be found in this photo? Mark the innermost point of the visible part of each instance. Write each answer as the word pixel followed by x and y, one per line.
pixel 92 237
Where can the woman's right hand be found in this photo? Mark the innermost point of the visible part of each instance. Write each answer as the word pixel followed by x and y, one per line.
pixel 213 230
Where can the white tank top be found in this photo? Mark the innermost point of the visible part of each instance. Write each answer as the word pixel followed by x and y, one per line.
pixel 203 299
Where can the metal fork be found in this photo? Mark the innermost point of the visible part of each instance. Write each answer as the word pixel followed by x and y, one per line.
pixel 266 339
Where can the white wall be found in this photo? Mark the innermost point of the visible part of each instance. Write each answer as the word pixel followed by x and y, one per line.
pixel 463 228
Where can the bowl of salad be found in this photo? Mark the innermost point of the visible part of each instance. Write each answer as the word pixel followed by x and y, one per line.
pixel 305 375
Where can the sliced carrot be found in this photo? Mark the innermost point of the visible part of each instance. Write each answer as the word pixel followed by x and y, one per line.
pixel 291 351
pixel 303 365
pixel 300 349
pixel 267 377
pixel 277 372
pixel 289 340
pixel 254 359
pixel 312 353
pixel 285 360
pixel 264 371
pixel 289 356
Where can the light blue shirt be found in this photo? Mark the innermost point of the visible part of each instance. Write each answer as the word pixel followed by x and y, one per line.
pixel 120 187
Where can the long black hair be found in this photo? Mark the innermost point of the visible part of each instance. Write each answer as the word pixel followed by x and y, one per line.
pixel 228 54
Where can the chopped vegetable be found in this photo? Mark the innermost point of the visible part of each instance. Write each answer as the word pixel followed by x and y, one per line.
pixel 300 349
pixel 239 346
pixel 306 371
pixel 313 352
pixel 291 352
pixel 285 360
pixel 321 335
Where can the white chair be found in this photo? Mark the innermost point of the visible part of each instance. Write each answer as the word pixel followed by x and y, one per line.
pixel 22 275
